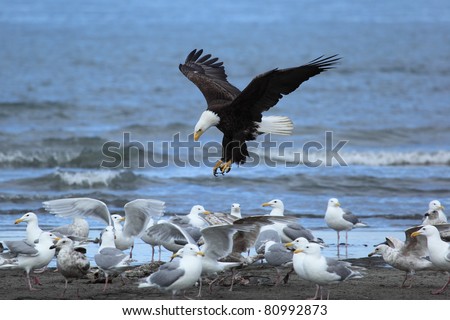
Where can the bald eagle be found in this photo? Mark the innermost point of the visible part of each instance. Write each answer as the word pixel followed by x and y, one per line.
pixel 238 114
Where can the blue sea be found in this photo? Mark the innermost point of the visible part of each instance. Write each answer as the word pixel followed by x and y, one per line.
pixel 77 76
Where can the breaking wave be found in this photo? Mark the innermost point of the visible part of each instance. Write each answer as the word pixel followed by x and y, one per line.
pixel 367 158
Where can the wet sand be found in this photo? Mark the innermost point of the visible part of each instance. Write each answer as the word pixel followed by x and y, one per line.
pixel 255 282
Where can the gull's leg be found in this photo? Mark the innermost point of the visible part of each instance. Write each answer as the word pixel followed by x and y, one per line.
pixel 346 243
pixel 200 287
pixel 65 288
pixel 410 276
pixel 441 290
pixel 286 277
pixel 316 296
pixel 106 282
pixel 338 242
pixel 29 282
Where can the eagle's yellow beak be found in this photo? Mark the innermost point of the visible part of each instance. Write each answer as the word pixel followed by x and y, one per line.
pixel 197 134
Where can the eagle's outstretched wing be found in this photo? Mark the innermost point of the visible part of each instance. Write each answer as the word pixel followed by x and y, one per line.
pixel 208 74
pixel 265 90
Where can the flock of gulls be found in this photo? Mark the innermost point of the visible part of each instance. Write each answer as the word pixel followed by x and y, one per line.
pixel 209 245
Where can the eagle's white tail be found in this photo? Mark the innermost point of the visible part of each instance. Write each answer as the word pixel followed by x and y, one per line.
pixel 276 125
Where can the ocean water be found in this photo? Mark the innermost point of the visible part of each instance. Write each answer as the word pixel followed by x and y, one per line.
pixel 77 76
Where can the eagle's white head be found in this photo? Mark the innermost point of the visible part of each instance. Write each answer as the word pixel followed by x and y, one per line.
pixel 207 120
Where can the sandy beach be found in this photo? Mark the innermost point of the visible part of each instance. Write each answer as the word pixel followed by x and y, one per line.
pixel 254 282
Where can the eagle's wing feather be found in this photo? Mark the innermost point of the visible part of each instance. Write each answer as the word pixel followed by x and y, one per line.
pixel 265 90
pixel 208 74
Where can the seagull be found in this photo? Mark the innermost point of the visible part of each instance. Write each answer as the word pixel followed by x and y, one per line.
pixel 224 245
pixel 192 219
pixel 137 215
pixel 84 207
pixel 341 220
pixel 277 255
pixel 277 207
pixel 33 230
pixel 179 274
pixel 435 214
pixel 299 243
pixel 323 271
pixel 71 264
pixel 236 210
pixel 219 218
pixel 170 235
pixel 78 229
pixel 150 239
pixel 408 256
pixel 288 231
pixel 264 237
pixel 439 251
pixel 109 259
pixel 29 257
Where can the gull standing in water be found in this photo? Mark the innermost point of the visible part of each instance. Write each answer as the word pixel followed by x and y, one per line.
pixel 341 220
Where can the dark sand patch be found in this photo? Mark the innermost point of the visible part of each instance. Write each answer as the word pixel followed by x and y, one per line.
pixel 253 283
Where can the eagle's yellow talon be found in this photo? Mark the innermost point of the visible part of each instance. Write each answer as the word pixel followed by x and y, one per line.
pixel 218 165
pixel 226 167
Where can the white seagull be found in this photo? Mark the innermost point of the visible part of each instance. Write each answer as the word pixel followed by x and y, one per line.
pixel 33 230
pixel 109 259
pixel 137 214
pixel 288 231
pixel 439 251
pixel 29 257
pixel 323 271
pixel 341 220
pixel 435 214
pixel 179 274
